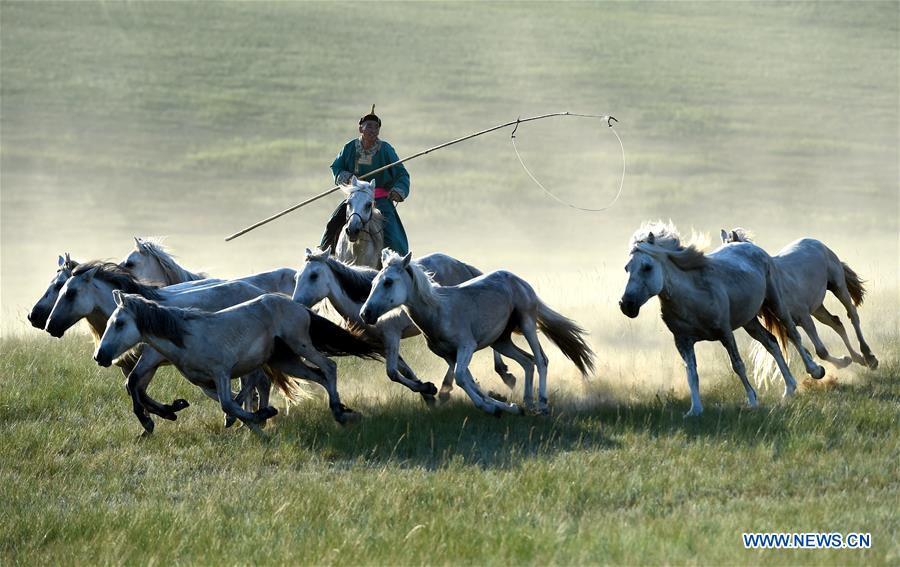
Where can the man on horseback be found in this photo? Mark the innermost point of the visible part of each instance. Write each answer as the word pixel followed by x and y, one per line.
pixel 359 157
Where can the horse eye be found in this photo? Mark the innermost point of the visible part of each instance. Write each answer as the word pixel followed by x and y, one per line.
pixel 368 206
pixel 313 277
pixel 128 265
pixel 119 324
pixel 646 268
pixel 70 293
pixel 388 283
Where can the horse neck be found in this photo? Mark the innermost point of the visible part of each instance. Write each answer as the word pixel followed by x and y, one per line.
pixel 679 286
pixel 345 305
pixel 423 306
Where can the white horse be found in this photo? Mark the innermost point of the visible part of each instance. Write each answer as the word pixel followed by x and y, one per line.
pixel 41 310
pixel 347 287
pixel 357 238
pixel 807 269
pixel 482 312
pixel 87 294
pixel 704 297
pixel 210 349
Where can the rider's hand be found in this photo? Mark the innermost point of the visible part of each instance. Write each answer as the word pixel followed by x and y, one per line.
pixel 395 196
pixel 343 178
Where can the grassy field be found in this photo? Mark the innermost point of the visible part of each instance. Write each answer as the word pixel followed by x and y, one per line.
pixel 596 482
pixel 194 119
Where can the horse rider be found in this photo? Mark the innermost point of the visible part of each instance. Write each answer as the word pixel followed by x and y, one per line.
pixel 359 157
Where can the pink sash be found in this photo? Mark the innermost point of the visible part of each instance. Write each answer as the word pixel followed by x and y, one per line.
pixel 381 192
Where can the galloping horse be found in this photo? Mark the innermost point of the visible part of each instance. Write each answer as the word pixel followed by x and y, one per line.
pixel 482 312
pixel 210 349
pixel 347 287
pixel 704 297
pixel 807 269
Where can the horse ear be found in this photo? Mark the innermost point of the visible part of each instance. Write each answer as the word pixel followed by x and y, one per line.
pixel 117 295
pixel 137 242
pixel 406 260
pixel 68 258
pixel 723 234
pixel 651 239
pixel 308 252
pixel 385 253
pixel 327 251
pixel 61 262
pixel 89 275
pixel 353 180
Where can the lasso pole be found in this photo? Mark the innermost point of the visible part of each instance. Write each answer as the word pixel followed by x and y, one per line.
pixel 518 121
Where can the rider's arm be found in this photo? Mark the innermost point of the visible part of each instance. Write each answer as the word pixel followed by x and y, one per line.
pixel 399 177
pixel 342 166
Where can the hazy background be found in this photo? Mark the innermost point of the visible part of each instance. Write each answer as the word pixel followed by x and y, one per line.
pixel 193 120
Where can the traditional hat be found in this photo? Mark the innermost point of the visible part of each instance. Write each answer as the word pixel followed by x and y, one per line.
pixel 370 116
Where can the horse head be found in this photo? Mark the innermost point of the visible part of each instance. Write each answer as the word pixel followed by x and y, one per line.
pixel 41 311
pixel 360 206
pixel 314 280
pixel 645 277
pixel 390 288
pixel 121 332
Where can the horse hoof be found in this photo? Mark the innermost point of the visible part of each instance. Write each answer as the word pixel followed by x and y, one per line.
pixel 180 404
pixel 429 400
pixel 428 389
pixel 871 361
pixel 148 425
pixel 545 411
pixel 169 415
pixel 267 413
pixel 444 397
pixel 229 421
pixel 508 379
pixel 844 362
pixel 693 413
pixel 496 396
pixel 348 417
pixel 818 373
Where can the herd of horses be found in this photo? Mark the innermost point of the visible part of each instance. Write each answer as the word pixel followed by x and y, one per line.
pixel 147 311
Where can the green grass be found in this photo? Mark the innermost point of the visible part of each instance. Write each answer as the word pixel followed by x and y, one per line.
pixel 596 482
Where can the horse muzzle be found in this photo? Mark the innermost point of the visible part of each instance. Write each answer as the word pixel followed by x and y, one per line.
pixel 56 331
pixel 103 359
pixel 368 315
pixel 629 307
pixel 37 319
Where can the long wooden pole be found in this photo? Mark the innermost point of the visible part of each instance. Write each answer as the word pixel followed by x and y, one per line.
pixel 422 153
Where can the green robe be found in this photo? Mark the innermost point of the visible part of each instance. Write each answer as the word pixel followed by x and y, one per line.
pixel 395 179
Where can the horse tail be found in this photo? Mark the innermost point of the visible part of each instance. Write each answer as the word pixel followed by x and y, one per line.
pixel 333 340
pixel 854 285
pixel 289 388
pixel 568 336
pixel 774 325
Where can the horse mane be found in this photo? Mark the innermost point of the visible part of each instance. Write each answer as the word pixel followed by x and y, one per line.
pixel 356 281
pixel 119 278
pixel 667 243
pixel 334 227
pixel 163 322
pixel 172 271
pixel 423 284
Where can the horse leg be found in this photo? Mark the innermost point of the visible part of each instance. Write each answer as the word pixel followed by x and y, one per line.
pixel 833 321
pixel 407 377
pixel 756 330
pixel 231 407
pixel 529 329
pixel 465 379
pixel 502 371
pixel 248 395
pixel 328 368
pixel 784 317
pixel 737 365
pixel 685 348
pixel 447 384
pixel 136 386
pixel 807 324
pixel 843 296
pixel 508 348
